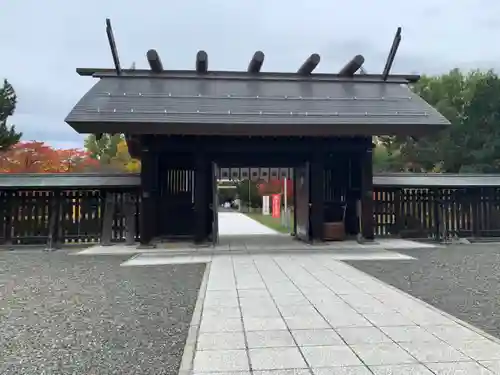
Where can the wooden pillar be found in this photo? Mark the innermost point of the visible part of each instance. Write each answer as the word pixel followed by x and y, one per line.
pixel 107 221
pixel 317 210
pixel 149 198
pixel 129 213
pixel 201 186
pixel 54 238
pixel 367 222
pixel 294 233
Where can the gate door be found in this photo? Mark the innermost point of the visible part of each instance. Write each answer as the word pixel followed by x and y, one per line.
pixel 302 204
pixel 176 214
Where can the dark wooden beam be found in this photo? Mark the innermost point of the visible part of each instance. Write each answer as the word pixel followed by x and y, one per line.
pixel 112 46
pixel 201 62
pixel 352 66
pixel 367 221
pixel 392 54
pixel 309 65
pixel 201 185
pixel 154 61
pixel 256 62
pixel 316 187
pixel 146 73
pixel 149 202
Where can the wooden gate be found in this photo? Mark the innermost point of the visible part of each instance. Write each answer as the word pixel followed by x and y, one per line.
pixel 302 203
pixel 176 211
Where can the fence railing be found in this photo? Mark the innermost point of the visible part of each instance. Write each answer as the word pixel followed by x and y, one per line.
pixel 437 213
pixel 74 209
pixel 54 217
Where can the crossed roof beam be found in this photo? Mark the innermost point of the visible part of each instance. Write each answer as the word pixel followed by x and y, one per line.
pixel 255 65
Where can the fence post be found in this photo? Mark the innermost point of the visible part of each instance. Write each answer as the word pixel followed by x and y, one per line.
pixel 129 211
pixel 397 211
pixel 9 197
pixel 53 240
pixel 436 208
pixel 476 194
pixel 107 222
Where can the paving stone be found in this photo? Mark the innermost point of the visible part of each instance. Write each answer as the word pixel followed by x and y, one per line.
pixel 311 321
pixel 382 354
pixel 263 324
pixel 269 339
pixel 276 359
pixel 458 368
pixel 349 370
pixel 363 335
pixel 317 337
pixel 220 360
pixel 330 356
pixel 214 324
pixel 389 319
pixel 283 372
pixel 297 310
pixel 401 370
pixel 223 373
pixel 461 280
pixel 346 320
pixel 433 352
pixel 220 340
pixel 454 333
pixel 494 366
pixel 409 334
pixel 222 312
pixel 484 350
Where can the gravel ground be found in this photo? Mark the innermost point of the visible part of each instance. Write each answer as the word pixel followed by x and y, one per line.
pixel 65 314
pixel 463 280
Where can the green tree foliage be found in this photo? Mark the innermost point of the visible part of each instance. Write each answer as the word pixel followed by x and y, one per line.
pixel 104 149
pixel 471 144
pixel 248 193
pixel 8 101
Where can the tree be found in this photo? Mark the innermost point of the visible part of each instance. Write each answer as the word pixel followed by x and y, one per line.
pixel 112 152
pixel 103 149
pixel 248 193
pixel 123 161
pixel 470 144
pixel 37 157
pixel 8 101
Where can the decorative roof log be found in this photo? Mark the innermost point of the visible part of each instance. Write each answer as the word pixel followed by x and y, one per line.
pixel 352 66
pixel 201 62
pixel 392 54
pixel 112 46
pixel 309 65
pixel 256 62
pixel 154 61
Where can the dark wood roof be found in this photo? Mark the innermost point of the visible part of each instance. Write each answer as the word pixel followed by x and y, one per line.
pixel 241 103
pixel 95 180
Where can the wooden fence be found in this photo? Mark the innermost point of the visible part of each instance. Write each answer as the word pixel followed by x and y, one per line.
pixel 437 206
pixel 68 209
pixel 71 208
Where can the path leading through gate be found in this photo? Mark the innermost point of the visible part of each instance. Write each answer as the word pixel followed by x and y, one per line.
pixel 238 224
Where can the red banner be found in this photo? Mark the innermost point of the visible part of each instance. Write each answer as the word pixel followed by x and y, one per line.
pixel 276 205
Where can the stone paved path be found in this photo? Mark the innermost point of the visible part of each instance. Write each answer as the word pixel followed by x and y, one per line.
pixel 311 314
pixel 235 223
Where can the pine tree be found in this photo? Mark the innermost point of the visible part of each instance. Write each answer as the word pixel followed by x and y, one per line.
pixel 8 100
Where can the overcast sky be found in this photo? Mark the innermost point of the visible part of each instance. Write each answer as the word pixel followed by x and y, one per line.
pixel 44 41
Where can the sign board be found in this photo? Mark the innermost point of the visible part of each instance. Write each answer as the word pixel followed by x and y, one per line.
pixel 265 205
pixel 276 205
